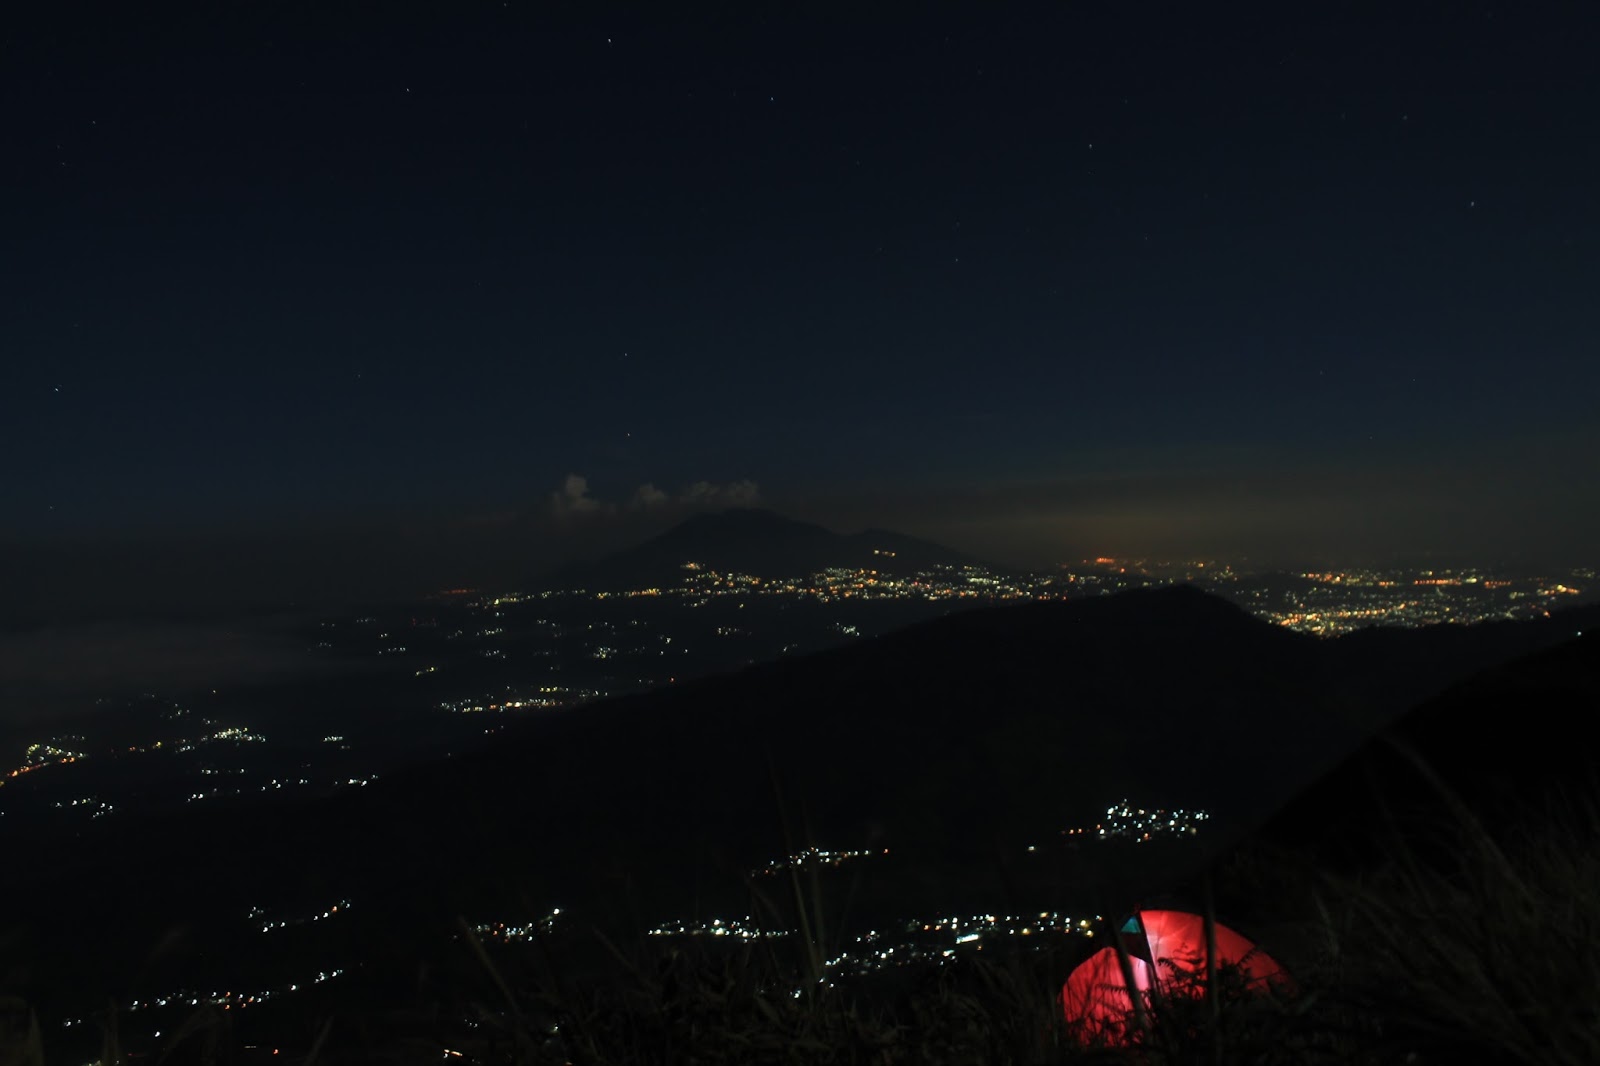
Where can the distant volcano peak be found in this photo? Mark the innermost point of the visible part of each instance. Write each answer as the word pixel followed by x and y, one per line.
pixel 760 542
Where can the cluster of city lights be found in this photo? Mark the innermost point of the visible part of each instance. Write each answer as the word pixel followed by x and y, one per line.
pixel 1333 602
pixel 967 929
pixel 1124 822
pixel 237 734
pixel 96 807
pixel 507 933
pixel 545 697
pixel 48 751
pixel 40 755
pixel 936 940
pixel 734 928
pixel 1336 601
pixel 52 753
pixel 271 786
pixel 227 1000
pixel 268 925
pixel 275 785
pixel 940 582
pixel 813 858
pixel 941 940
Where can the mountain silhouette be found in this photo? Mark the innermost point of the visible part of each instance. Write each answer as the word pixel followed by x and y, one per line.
pixel 1498 749
pixel 757 542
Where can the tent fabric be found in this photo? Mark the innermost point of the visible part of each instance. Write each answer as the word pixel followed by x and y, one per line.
pixel 1095 995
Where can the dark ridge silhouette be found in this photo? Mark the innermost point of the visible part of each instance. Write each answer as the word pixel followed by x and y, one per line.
pixel 1503 748
pixel 753 541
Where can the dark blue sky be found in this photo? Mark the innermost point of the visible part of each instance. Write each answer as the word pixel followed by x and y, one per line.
pixel 1036 279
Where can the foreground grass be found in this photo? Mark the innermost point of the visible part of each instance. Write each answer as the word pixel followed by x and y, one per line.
pixel 1471 945
pixel 1462 946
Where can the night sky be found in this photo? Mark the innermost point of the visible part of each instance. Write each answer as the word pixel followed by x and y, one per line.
pixel 303 302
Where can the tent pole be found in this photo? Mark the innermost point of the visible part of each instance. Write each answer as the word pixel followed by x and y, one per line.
pixel 1141 1017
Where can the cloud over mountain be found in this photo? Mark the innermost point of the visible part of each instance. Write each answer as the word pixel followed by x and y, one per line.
pixel 574 497
pixel 733 494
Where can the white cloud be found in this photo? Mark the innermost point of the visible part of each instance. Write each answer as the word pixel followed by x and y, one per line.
pixel 573 498
pixel 647 496
pixel 733 494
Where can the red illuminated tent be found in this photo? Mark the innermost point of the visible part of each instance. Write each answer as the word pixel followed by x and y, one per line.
pixel 1158 943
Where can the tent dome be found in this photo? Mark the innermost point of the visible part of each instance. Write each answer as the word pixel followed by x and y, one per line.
pixel 1095 996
